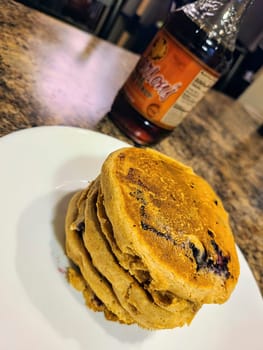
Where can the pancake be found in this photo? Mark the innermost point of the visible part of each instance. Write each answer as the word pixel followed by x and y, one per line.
pixel 131 295
pixel 78 282
pixel 95 288
pixel 135 266
pixel 171 222
pixel 151 241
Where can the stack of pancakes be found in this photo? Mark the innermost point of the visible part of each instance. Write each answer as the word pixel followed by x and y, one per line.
pixel 151 241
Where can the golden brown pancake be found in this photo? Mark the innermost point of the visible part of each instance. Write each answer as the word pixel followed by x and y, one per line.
pixel 173 222
pixel 78 282
pixel 152 241
pixel 96 290
pixel 135 266
pixel 131 295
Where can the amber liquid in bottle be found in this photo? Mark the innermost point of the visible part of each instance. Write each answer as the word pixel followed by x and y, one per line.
pixel 143 131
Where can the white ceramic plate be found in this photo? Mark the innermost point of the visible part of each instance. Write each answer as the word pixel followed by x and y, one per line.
pixel 39 169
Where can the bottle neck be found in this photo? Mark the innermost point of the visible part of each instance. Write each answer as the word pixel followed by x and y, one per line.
pixel 220 19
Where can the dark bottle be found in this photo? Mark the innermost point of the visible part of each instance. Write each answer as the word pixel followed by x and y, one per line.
pixel 183 61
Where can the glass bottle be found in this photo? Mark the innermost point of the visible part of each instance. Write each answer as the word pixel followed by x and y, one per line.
pixel 183 61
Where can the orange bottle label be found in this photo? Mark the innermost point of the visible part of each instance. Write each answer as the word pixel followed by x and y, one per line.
pixel 166 76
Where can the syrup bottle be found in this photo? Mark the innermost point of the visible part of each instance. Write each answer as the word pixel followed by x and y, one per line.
pixel 183 61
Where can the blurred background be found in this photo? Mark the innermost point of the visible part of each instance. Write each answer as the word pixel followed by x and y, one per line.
pixel 132 24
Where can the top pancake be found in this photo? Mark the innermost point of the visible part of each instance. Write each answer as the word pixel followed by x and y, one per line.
pixel 173 222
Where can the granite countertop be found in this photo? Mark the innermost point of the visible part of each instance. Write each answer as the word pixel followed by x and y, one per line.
pixel 54 74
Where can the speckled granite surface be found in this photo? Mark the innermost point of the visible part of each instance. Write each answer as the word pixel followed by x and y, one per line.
pixel 54 74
